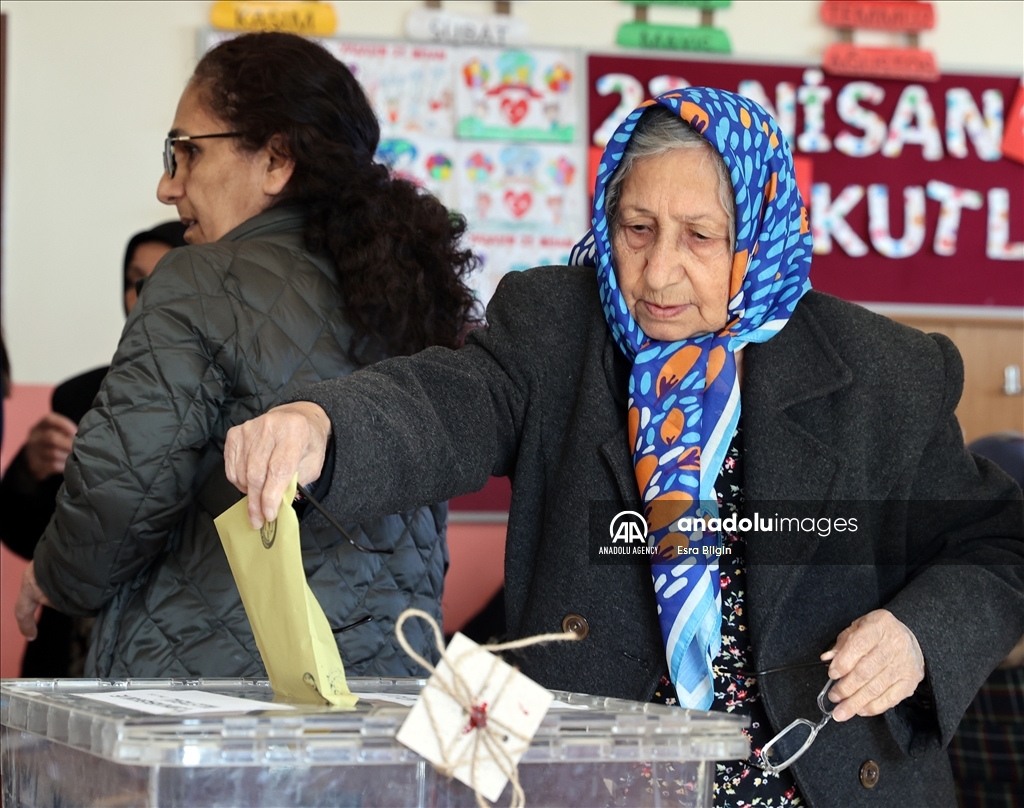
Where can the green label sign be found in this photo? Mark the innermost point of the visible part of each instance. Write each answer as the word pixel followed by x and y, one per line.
pixel 673 37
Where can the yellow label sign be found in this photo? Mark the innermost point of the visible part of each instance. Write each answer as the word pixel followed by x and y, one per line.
pixel 293 16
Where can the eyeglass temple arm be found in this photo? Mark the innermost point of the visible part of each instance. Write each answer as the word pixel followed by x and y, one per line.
pixel 182 138
pixel 337 525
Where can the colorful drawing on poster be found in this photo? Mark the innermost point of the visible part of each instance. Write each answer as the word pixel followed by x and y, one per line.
pixel 502 252
pixel 520 187
pixel 426 162
pixel 409 86
pixel 439 166
pixel 516 95
pixel 479 167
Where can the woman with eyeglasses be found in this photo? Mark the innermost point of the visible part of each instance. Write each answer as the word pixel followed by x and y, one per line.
pixel 685 369
pixel 306 261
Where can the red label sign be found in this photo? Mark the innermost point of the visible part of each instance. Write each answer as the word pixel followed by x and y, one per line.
pixel 880 16
pixel 911 64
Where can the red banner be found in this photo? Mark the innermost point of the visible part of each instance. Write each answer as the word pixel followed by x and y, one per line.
pixel 911 199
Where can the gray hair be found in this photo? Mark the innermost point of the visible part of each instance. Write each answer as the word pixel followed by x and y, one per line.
pixel 658 132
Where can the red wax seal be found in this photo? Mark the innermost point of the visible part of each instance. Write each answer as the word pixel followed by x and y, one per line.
pixel 477 717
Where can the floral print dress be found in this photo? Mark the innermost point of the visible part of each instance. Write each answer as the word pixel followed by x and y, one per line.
pixel 739 783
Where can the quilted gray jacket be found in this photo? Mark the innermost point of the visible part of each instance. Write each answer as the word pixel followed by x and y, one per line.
pixel 222 332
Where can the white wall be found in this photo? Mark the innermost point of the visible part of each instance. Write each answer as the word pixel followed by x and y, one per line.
pixel 91 91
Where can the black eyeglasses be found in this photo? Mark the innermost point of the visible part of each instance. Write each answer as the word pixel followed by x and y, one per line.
pixel 170 163
pixel 337 525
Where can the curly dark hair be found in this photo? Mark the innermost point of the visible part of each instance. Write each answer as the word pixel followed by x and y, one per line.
pixel 401 267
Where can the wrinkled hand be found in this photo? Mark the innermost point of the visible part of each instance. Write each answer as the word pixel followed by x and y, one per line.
pixel 879 663
pixel 30 598
pixel 49 444
pixel 262 455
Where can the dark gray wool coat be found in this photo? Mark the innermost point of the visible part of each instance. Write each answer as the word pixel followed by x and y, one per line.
pixel 221 333
pixel 842 406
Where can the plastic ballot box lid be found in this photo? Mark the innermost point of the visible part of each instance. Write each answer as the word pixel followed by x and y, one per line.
pixel 213 742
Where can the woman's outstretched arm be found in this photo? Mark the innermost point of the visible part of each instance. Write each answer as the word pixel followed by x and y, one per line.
pixel 408 431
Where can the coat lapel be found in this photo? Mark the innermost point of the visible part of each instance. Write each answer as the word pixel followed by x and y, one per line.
pixel 615 450
pixel 785 379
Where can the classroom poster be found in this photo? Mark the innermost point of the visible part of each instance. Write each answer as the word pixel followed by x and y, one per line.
pixel 521 94
pixel 502 252
pixel 522 186
pixel 430 163
pixel 409 85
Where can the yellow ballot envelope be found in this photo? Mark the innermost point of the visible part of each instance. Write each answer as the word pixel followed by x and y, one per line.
pixel 292 632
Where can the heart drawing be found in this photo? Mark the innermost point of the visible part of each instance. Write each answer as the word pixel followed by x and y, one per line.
pixel 515 111
pixel 519 203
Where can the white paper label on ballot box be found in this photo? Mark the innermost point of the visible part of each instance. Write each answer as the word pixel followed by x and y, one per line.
pixel 512 705
pixel 182 702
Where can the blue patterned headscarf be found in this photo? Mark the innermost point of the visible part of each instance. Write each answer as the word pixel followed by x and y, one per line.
pixel 684 396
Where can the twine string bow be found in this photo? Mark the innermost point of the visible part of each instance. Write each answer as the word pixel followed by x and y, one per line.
pixel 489 733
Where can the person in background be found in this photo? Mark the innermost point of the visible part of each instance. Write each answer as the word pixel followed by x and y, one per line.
pixel 28 490
pixel 306 260
pixel 987 751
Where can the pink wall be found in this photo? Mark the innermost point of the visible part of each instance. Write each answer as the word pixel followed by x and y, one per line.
pixel 476 573
pixel 477 550
pixel 27 404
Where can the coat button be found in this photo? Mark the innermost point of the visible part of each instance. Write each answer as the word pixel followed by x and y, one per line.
pixel 576 624
pixel 869 774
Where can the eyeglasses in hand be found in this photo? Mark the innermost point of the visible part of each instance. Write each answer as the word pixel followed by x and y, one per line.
pixel 785 749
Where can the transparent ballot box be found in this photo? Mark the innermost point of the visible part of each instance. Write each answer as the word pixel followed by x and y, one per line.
pixel 63 746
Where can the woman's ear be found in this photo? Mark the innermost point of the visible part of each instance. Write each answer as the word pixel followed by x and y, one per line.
pixel 280 166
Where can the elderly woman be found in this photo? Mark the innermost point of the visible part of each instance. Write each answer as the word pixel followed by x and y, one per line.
pixel 306 260
pixel 622 381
